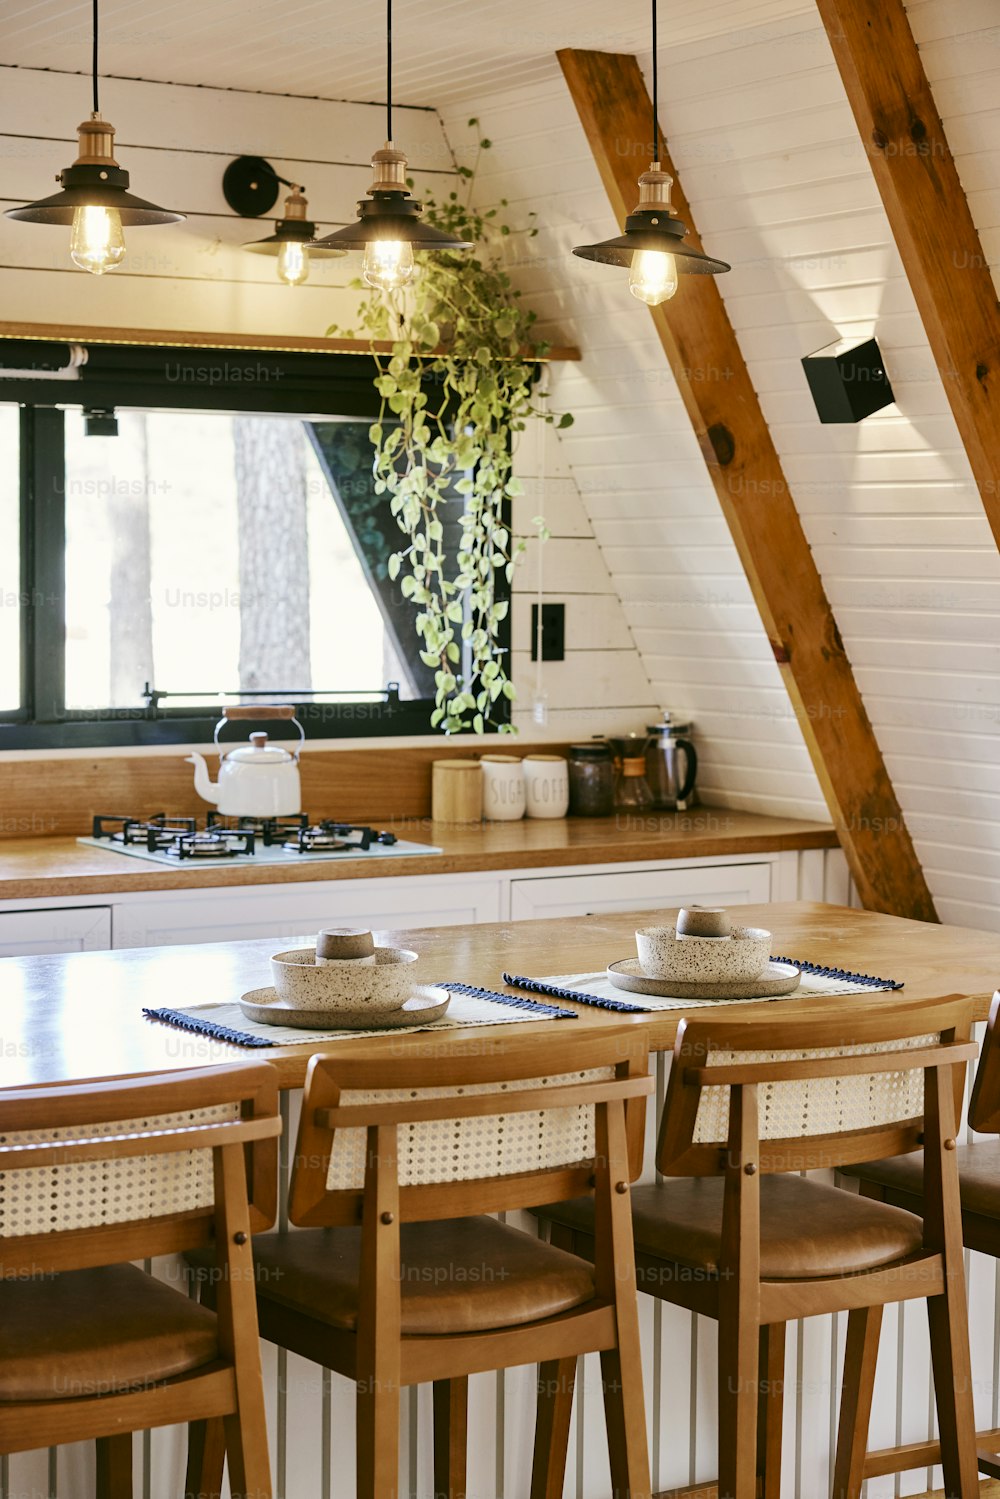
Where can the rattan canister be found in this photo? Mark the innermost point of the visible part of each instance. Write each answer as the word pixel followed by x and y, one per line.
pixel 457 791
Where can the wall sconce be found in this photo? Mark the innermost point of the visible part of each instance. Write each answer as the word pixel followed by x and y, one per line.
pixel 250 187
pixel 848 382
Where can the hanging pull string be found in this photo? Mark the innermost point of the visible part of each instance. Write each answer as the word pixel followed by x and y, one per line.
pixel 388 67
pixel 97 107
pixel 656 92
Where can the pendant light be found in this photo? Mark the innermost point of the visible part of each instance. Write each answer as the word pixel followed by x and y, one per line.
pixel 389 227
pixel 95 199
pixel 653 243
pixel 249 185
pixel 294 241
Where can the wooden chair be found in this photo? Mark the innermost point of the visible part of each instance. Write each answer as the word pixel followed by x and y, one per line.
pixel 398 1279
pixel 91 1347
pixel 747 1241
pixel 900 1181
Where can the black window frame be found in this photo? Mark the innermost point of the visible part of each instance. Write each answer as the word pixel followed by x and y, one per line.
pixel 118 377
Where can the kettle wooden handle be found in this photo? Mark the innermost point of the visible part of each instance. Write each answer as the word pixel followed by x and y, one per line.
pixel 262 711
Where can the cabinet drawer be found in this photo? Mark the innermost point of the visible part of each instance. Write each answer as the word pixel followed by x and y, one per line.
pixel 299 910
pixel 74 929
pixel 640 890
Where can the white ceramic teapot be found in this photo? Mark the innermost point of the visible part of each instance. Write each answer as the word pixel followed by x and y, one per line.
pixel 258 779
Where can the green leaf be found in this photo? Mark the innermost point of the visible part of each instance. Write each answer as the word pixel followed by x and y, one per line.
pixel 395 563
pixel 566 420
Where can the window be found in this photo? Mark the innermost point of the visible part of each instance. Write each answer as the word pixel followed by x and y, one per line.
pixel 201 551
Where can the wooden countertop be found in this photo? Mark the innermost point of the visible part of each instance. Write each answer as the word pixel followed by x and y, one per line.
pixel 78 1017
pixel 37 868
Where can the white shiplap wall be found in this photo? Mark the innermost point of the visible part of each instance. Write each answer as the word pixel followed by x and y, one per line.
pixel 959 43
pixel 176 142
pixel 639 467
pixel 764 139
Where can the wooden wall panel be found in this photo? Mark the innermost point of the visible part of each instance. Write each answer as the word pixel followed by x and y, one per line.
pixel 60 796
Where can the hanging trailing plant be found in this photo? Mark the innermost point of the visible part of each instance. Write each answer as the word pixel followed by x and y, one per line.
pixel 457 387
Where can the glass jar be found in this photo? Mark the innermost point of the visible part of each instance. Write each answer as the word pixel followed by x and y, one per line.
pixel 632 793
pixel 591 780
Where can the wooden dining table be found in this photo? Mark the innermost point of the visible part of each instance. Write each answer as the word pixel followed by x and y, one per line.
pixel 80 1017
pixel 77 1017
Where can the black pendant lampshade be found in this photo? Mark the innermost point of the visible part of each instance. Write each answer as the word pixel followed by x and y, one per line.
pixel 389 227
pixel 652 246
pixel 94 196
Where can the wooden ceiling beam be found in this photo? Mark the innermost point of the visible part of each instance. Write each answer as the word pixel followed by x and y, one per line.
pixel 929 215
pixel 699 342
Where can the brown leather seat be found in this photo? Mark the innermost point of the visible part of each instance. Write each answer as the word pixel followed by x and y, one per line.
pixel 807 1229
pixel 461 1275
pixel 95 1332
pixel 978 1176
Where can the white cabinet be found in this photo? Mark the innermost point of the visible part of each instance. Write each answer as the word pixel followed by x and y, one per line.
pixel 235 913
pixel 586 894
pixel 75 929
pixel 297 910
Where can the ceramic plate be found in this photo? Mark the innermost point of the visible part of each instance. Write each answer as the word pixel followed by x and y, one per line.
pixel 426 1003
pixel 777 978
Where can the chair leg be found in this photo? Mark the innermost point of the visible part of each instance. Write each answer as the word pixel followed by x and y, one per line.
pixel 378 1439
pixel 556 1379
pixel 206 1459
pixel 953 1390
pixel 863 1327
pixel 770 1409
pixel 625 1413
pixel 114 1466
pixel 738 1386
pixel 246 1451
pixel 451 1437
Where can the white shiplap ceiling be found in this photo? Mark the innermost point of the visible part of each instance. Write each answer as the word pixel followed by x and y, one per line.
pixel 447 51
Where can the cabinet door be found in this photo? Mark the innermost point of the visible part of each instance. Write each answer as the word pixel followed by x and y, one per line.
pixel 640 890
pixel 298 910
pixel 73 929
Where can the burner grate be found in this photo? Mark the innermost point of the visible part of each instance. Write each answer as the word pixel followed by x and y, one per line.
pixel 227 837
pixel 269 830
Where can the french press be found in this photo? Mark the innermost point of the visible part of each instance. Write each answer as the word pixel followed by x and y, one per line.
pixel 671 764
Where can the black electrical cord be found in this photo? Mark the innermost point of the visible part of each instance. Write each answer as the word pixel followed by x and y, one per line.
pixel 656 93
pixel 388 68
pixel 97 107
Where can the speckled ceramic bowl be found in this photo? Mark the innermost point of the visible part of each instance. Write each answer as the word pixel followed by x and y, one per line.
pixel 301 981
pixel 703 960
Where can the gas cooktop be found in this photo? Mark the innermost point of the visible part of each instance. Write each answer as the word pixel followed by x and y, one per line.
pixel 233 840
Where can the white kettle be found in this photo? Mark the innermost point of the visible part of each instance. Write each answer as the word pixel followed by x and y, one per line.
pixel 258 779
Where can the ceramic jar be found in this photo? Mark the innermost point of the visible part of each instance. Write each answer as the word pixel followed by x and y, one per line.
pixel 546 786
pixel 503 788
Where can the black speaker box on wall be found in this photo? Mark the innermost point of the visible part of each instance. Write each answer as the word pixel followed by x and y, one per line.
pixel 847 383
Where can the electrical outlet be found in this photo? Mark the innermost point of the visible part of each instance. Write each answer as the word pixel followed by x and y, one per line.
pixel 553 632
